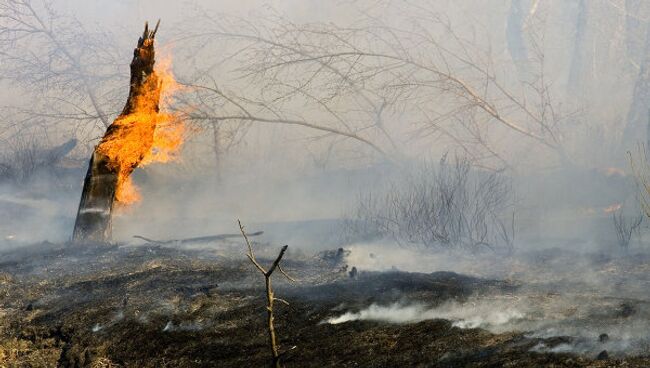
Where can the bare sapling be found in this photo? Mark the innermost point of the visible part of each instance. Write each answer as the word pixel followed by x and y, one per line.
pixel 452 205
pixel 625 228
pixel 270 296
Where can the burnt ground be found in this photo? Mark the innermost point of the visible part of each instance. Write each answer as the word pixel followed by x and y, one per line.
pixel 154 306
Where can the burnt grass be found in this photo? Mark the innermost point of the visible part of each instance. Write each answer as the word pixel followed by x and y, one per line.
pixel 153 306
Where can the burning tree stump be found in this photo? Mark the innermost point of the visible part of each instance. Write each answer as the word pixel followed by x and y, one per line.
pixel 124 145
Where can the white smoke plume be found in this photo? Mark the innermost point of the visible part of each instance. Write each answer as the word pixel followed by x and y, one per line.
pixel 467 315
pixel 593 323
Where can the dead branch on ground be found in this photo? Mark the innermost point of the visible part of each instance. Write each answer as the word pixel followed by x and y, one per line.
pixel 198 239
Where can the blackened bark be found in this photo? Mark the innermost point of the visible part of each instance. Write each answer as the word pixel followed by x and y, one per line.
pixel 93 221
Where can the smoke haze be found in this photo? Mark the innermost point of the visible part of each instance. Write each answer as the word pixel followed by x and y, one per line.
pixel 305 114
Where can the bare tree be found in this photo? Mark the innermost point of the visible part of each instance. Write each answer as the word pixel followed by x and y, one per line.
pixel 356 82
pixel 21 159
pixel 25 155
pixel 68 71
pixel 379 85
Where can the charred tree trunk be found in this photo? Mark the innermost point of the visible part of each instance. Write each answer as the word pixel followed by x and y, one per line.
pixel 634 30
pixel 108 166
pixel 515 36
pixel 580 52
pixel 93 221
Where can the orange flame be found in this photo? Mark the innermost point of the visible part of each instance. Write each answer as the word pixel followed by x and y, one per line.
pixel 146 135
pixel 613 208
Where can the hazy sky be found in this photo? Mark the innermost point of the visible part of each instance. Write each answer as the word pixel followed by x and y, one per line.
pixel 123 12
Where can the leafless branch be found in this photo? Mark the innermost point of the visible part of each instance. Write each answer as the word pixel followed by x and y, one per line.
pixel 270 296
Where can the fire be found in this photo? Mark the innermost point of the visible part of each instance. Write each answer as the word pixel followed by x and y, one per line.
pixel 613 208
pixel 145 134
pixel 613 171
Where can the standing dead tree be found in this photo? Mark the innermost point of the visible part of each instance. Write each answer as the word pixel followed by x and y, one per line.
pixel 270 296
pixel 122 148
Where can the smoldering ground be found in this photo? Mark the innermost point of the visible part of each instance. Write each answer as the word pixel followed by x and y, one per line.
pixel 550 292
pixel 592 298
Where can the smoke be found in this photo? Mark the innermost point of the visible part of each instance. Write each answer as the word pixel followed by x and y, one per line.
pixel 184 326
pixel 287 174
pixel 593 297
pixel 39 210
pixel 463 315
pixel 590 322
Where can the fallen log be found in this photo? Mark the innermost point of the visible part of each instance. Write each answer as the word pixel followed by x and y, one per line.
pixel 124 145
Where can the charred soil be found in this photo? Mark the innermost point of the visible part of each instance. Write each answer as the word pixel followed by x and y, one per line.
pixel 155 306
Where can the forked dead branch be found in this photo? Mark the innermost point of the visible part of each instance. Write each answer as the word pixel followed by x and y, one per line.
pixel 270 296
